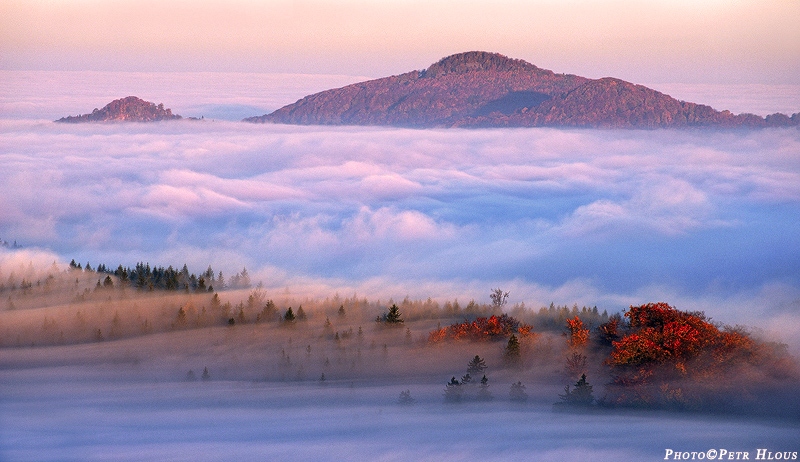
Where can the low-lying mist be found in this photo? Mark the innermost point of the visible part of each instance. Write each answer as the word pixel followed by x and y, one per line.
pixel 92 368
pixel 183 329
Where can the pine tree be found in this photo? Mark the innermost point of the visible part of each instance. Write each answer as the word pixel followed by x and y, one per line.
pixel 580 396
pixel 268 313
pixel 393 317
pixel 289 316
pixel 341 312
pixel 116 326
pixel 244 280
pixel 476 366
pixel 301 314
pixel 513 354
pixel 181 319
pixel 206 376
pixel 483 390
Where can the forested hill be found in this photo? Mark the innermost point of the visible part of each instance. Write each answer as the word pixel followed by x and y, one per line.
pixel 129 109
pixel 480 89
pixel 142 276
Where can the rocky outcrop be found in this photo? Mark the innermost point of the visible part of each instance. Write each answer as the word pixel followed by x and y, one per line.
pixel 130 109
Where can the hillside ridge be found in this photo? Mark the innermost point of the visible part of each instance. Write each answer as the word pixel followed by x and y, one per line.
pixel 128 109
pixel 483 89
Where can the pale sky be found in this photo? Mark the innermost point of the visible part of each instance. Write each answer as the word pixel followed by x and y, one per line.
pixel 645 41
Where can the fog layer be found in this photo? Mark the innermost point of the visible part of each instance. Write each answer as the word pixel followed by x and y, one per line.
pixel 257 421
pixel 701 219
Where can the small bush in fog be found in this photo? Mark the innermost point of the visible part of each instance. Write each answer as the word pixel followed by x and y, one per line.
pixel 517 392
pixel 405 398
pixel 452 391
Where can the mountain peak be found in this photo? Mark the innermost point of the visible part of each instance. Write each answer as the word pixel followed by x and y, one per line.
pixel 473 61
pixel 128 109
pixel 481 89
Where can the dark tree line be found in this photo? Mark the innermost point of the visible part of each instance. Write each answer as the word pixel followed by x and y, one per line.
pixel 142 276
pixel 9 245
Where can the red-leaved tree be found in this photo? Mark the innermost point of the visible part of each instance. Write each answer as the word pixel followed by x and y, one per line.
pixel 577 334
pixel 666 349
pixel 482 329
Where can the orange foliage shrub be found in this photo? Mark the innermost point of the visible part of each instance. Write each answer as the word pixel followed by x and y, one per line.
pixel 577 335
pixel 482 329
pixel 662 335
pixel 665 347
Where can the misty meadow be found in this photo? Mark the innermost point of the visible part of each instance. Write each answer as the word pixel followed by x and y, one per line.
pixel 215 290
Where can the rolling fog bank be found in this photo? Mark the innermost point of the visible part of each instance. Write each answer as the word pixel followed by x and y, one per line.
pixel 66 414
pixel 705 220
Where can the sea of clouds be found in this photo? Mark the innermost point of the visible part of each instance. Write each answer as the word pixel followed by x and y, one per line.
pixel 701 219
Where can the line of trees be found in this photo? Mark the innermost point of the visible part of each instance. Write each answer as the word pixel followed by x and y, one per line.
pixel 142 276
pixel 9 245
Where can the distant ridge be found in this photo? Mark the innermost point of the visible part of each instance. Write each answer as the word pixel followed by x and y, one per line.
pixel 129 109
pixel 482 89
